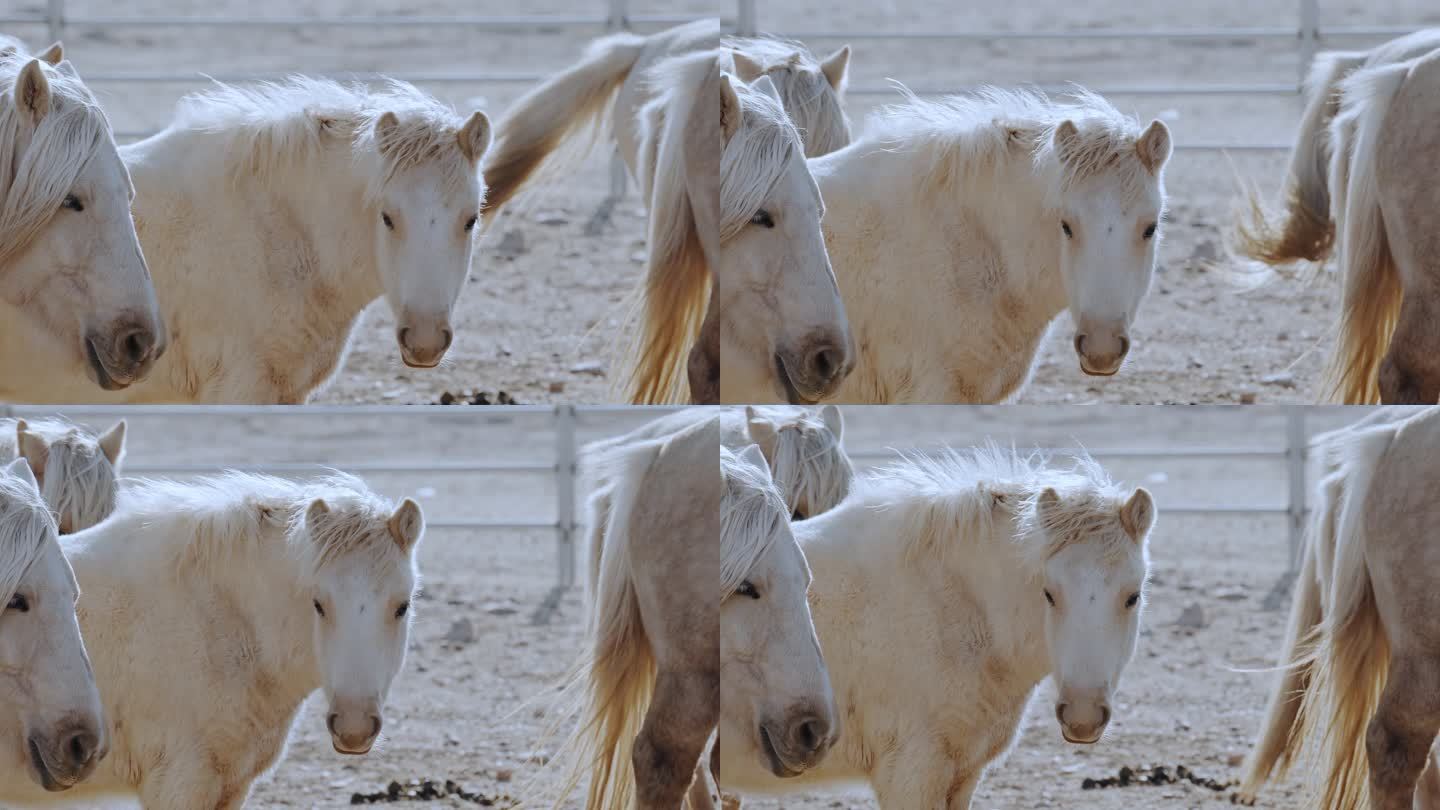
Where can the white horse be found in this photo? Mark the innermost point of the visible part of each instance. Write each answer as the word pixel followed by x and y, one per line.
pixel 774 687
pixel 78 471
pixel 53 731
pixel 77 295
pixel 708 182
pixel 214 609
pixel 1000 210
pixel 273 215
pixel 946 588
pixel 812 89
pixel 649 681
pixel 1353 173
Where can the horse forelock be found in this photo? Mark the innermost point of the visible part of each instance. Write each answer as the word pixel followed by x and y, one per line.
pixel 812 104
pixel 954 494
pixel 33 183
pixel 964 136
pixel 752 512
pixel 25 525
pixel 809 464
pixel 755 158
pixel 272 127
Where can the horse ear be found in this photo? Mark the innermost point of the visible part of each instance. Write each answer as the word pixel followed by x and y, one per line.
pixel 1066 135
pixel 762 431
pixel 836 68
pixel 751 455
pixel 112 443
pixel 1138 515
pixel 830 415
pixel 385 127
pixel 766 85
pixel 406 525
pixel 1048 502
pixel 729 107
pixel 1153 147
pixel 20 468
pixel 32 92
pixel 55 54
pixel 746 68
pixel 474 137
pixel 315 511
pixel 32 448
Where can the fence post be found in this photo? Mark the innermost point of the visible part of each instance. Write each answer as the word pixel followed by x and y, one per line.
pixel 746 24
pixel 1296 453
pixel 619 18
pixel 1309 36
pixel 55 19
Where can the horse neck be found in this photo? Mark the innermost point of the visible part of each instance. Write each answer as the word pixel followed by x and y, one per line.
pixel 988 572
pixel 1001 220
pixel 323 203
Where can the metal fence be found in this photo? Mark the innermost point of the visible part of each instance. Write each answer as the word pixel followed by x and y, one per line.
pixel 1308 34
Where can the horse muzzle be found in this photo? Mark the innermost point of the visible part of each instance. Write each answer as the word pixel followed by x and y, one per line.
pixel 813 371
pixel 1082 724
pixel 797 745
pixel 424 345
pixel 1101 355
pixel 353 733
pixel 124 354
pixel 67 759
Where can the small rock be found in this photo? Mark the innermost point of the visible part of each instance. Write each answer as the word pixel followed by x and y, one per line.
pixel 1283 379
pixel 1247 398
pixel 552 218
pixel 461 632
pixel 504 774
pixel 591 367
pixel 1192 617
pixel 557 387
pixel 1205 251
pixel 1235 760
pixel 638 257
pixel 511 245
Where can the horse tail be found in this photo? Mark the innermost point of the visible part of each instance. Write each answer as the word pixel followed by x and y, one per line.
pixel 548 116
pixel 1306 229
pixel 675 294
pixel 1371 296
pixel 1351 652
pixel 1278 744
pixel 619 675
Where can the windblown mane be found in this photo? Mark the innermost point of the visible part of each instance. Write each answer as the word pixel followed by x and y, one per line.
pixel 267 129
pixel 25 525
pixel 812 104
pixel 230 517
pixel 967 135
pixel 33 183
pixel 751 516
pixel 79 480
pixel 957 493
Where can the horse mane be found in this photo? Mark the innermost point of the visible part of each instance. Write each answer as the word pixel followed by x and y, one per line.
pixel 812 104
pixel 673 297
pixel 33 183
pixel 267 129
pixel 957 493
pixel 752 512
pixel 965 135
pixel 79 480
pixel 808 461
pixel 25 524
pixel 225 518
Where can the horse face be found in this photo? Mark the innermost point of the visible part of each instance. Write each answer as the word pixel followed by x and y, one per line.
pixel 55 728
pixel 1108 232
pixel 84 281
pixel 1093 597
pixel 424 233
pixel 784 320
pixel 361 611
pixel 775 695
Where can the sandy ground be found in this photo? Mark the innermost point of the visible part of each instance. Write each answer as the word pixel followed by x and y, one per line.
pixel 1182 701
pixel 527 322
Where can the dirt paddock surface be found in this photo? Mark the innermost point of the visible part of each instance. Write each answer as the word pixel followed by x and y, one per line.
pixel 542 311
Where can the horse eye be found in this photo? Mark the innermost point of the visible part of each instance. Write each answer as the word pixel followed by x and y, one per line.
pixel 20 603
pixel 402 610
pixel 1065 226
pixel 1049 598
pixel 385 218
pixel 320 609
pixel 763 219
pixel 1133 600
pixel 470 224
pixel 1150 231
pixel 747 589
pixel 73 203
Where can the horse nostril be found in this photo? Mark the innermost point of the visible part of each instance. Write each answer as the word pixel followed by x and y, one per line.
pixel 403 335
pixel 1104 716
pixel 449 335
pixel 80 748
pixel 1060 712
pixel 330 722
pixel 1124 345
pixel 1080 344
pixel 377 723
pixel 809 733
pixel 825 363
pixel 135 345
